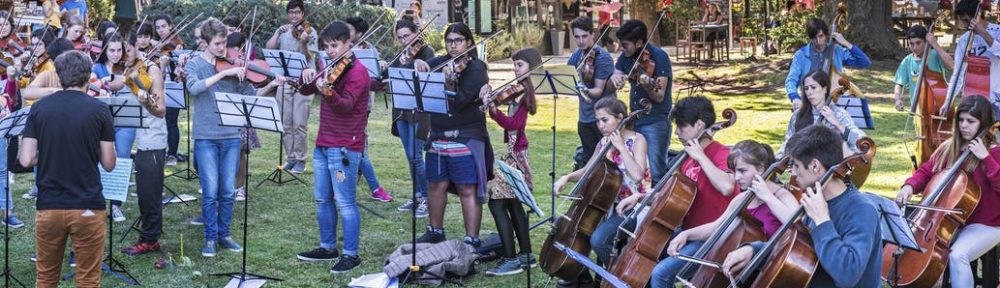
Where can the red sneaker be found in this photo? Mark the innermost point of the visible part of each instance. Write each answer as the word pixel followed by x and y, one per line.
pixel 141 248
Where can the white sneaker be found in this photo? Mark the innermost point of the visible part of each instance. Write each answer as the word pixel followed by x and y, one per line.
pixel 116 214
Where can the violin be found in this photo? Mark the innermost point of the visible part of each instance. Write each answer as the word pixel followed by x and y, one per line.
pixel 505 95
pixel 258 72
pixel 96 87
pixel 301 27
pixel 81 44
pixel 334 72
pixel 412 51
pixel 934 228
pixel 457 66
pixel 13 45
pixel 666 206
pixel 170 46
pixel 645 66
pixel 588 62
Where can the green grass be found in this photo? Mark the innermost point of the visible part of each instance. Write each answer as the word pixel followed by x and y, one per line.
pixel 282 221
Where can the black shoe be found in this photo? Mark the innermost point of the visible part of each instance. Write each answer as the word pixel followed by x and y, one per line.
pixel 181 157
pixel 583 281
pixel 475 242
pixel 431 237
pixel 319 254
pixel 346 264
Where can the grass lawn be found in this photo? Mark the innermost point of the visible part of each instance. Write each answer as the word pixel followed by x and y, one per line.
pixel 283 222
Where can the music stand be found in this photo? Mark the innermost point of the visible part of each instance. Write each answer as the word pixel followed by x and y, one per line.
pixel 369 58
pixel 895 231
pixel 127 113
pixel 290 65
pixel 417 92
pixel 585 261
pixel 188 173
pixel 10 127
pixel 247 112
pixel 555 81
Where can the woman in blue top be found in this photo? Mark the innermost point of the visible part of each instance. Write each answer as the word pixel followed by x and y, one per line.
pixel 112 55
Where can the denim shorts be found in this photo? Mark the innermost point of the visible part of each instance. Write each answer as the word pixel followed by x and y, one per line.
pixel 457 169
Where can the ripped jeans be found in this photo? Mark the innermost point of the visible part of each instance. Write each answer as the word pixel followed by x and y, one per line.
pixel 336 177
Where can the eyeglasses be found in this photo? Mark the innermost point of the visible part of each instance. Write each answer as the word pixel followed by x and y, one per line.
pixel 454 41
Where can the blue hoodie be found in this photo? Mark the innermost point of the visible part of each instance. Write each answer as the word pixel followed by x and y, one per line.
pixel 803 61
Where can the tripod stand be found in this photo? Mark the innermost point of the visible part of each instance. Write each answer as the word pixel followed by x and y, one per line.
pixel 181 101
pixel 561 81
pixel 247 112
pixel 290 65
pixel 10 126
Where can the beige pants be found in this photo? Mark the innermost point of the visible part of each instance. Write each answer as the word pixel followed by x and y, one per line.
pixel 86 228
pixel 295 119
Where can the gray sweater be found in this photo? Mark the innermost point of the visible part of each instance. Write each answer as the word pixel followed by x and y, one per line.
pixel 207 123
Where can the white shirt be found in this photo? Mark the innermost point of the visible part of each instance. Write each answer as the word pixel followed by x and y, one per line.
pixel 981 49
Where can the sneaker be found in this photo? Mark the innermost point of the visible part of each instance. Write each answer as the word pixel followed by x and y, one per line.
pixel 116 214
pixel 13 222
pixel 422 209
pixel 181 157
pixel 407 206
pixel 171 160
pixel 209 249
pixel 197 221
pixel 229 244
pixel 346 264
pixel 319 254
pixel 34 257
pixel 475 242
pixel 241 193
pixel 380 195
pixel 141 248
pixel 299 167
pixel 32 194
pixel 431 236
pixel 507 267
pixel 527 260
pixel 288 165
pixel 72 259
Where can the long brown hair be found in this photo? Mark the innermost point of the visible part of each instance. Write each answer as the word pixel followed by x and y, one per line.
pixel 804 116
pixel 978 107
pixel 534 59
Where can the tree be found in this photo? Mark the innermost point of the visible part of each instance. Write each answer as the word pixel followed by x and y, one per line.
pixel 647 12
pixel 869 26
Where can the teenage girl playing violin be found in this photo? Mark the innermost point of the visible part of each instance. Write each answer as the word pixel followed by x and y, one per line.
pixel 8 104
pixel 76 31
pixel 506 208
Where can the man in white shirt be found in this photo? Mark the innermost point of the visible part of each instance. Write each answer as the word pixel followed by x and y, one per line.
pixel 985 45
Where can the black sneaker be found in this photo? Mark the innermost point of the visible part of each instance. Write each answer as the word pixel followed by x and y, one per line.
pixel 431 237
pixel 346 264
pixel 475 242
pixel 318 254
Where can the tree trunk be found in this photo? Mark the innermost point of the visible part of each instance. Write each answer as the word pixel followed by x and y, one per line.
pixel 646 11
pixel 869 26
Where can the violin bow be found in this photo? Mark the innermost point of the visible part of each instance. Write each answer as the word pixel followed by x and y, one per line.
pixel 31 55
pixel 173 35
pixel 652 32
pixel 334 61
pixel 522 77
pixel 481 42
pixel 960 68
pixel 420 35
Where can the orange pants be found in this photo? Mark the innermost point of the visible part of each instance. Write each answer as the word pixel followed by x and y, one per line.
pixel 86 228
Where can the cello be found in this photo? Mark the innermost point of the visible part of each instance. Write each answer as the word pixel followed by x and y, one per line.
pixel 593 197
pixel 667 205
pixel 934 226
pixel 789 257
pixel 932 92
pixel 976 70
pixel 735 229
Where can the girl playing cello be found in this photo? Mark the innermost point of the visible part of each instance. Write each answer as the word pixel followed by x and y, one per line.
pixel 817 109
pixel 982 228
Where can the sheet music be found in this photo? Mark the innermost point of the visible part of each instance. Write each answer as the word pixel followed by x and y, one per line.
pixel 369 58
pixel 264 113
pixel 116 182
pixel 175 94
pixel 13 124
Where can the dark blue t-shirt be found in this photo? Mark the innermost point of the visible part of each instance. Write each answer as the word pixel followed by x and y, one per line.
pixel 663 68
pixel 603 69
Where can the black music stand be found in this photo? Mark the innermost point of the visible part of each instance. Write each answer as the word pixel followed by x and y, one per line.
pixel 419 93
pixel 175 92
pixel 559 80
pixel 895 231
pixel 369 58
pixel 609 278
pixel 247 112
pixel 10 127
pixel 290 65
pixel 187 173
pixel 127 112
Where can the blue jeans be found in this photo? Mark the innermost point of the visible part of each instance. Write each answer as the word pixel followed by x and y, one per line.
pixel 217 162
pixel 414 153
pixel 3 171
pixel 369 172
pixel 602 241
pixel 665 272
pixel 124 138
pixel 657 141
pixel 335 180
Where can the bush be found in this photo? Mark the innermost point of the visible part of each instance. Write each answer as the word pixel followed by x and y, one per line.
pixel 792 31
pixel 505 44
pixel 271 15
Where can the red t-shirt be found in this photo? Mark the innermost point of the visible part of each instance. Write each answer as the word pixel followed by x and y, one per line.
pixel 709 204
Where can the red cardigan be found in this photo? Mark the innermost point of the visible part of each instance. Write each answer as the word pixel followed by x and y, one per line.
pixel 513 123
pixel 985 175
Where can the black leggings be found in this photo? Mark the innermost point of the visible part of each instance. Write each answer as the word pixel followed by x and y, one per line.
pixel 173 131
pixel 510 217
